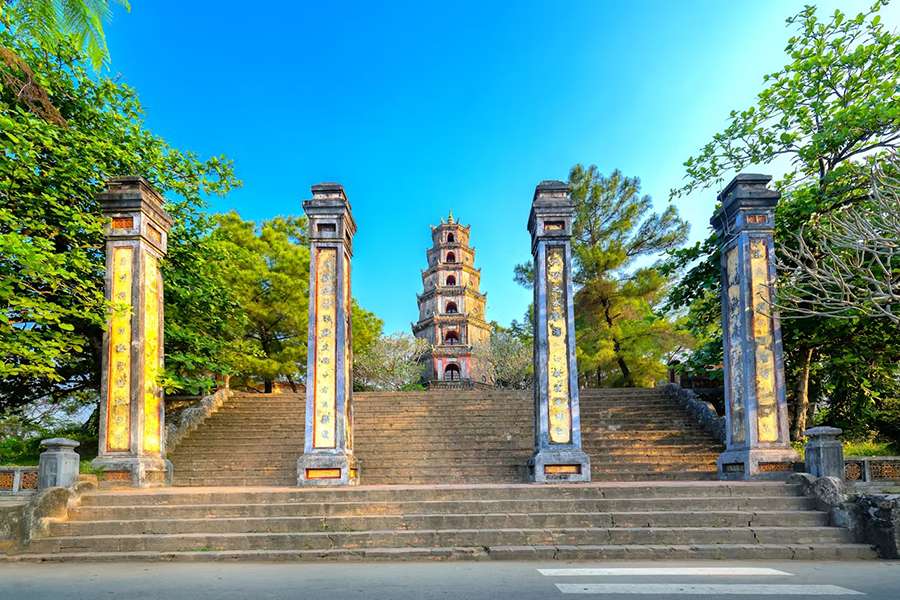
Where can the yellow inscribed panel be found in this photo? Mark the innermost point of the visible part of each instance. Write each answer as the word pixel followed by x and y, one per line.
pixel 325 347
pixel 118 393
pixel 767 413
pixel 735 353
pixel 559 408
pixel 152 358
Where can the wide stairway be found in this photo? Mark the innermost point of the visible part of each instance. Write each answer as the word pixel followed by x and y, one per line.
pixel 665 520
pixel 447 437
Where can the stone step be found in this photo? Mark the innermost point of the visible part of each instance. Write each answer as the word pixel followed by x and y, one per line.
pixel 168 497
pixel 822 552
pixel 324 540
pixel 750 505
pixel 446 521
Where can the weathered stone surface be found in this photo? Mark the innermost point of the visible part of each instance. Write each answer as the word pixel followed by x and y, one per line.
pixel 757 440
pixel 704 412
pixel 59 463
pixel 588 521
pixel 447 436
pixel 558 454
pixel 824 453
pixel 328 427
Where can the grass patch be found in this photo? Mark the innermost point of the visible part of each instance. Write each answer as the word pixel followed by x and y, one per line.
pixel 869 448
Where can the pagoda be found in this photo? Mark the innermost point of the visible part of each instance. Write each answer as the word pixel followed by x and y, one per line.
pixel 451 308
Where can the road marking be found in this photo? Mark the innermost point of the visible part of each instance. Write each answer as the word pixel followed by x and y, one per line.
pixel 702 589
pixel 668 571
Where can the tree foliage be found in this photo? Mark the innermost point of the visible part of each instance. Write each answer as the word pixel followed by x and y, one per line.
pixel 507 357
pixel 834 111
pixel 77 22
pixel 267 270
pixel 390 363
pixel 51 240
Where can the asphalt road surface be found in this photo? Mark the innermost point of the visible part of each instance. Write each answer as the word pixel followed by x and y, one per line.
pixel 875 580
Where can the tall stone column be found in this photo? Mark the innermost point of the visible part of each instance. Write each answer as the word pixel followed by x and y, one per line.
pixel 132 414
pixel 557 429
pixel 757 440
pixel 328 449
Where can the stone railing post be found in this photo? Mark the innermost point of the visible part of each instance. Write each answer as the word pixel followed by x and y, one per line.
pixel 757 442
pixel 558 455
pixel 824 452
pixel 59 463
pixel 328 448
pixel 132 415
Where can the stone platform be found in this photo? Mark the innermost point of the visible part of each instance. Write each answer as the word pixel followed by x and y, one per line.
pixel 671 520
pixel 447 436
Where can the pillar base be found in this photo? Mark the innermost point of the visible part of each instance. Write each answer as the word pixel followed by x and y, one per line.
pixel 319 469
pixel 132 471
pixel 757 463
pixel 553 466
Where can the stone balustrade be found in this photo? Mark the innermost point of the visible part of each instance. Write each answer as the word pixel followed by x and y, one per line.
pixel 18 480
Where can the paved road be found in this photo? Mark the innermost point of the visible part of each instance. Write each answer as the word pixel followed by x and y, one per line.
pixel 876 580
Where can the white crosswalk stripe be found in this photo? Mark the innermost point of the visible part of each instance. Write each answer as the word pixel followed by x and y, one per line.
pixel 689 588
pixel 703 589
pixel 643 571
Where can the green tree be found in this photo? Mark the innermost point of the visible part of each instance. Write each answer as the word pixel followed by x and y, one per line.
pixel 834 111
pixel 51 238
pixel 390 362
pixel 267 269
pixel 52 22
pixel 622 335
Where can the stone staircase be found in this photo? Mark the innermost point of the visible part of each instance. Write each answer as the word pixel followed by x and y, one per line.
pixel 483 436
pixel 663 520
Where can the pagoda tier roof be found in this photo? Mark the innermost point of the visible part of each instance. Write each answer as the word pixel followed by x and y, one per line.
pixel 452 290
pixel 454 318
pixel 450 267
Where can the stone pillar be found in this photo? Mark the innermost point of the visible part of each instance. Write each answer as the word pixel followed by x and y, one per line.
pixel 757 441
pixel 557 429
pixel 824 452
pixel 59 463
pixel 132 414
pixel 328 449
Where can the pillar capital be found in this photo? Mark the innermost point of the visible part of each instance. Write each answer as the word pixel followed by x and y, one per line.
pixel 558 454
pixel 552 212
pixel 135 212
pixel 132 415
pixel 330 217
pixel 746 204
pixel 757 441
pixel 328 447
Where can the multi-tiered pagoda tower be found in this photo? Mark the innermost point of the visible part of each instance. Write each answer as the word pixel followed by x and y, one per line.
pixel 451 309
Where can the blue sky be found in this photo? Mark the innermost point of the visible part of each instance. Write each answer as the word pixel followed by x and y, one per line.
pixel 420 107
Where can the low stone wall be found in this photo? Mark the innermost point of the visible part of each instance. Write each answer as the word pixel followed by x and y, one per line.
pixel 190 417
pixel 872 517
pixel 704 412
pixel 18 480
pixel 872 468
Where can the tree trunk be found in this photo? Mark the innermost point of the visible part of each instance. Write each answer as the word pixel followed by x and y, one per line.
pixel 599 377
pixel 801 399
pixel 626 372
pixel 293 385
pixel 617 348
pixel 268 386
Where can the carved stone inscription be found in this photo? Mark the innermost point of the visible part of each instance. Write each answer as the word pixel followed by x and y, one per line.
pixel 767 416
pixel 326 351
pixel 118 393
pixel 559 408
